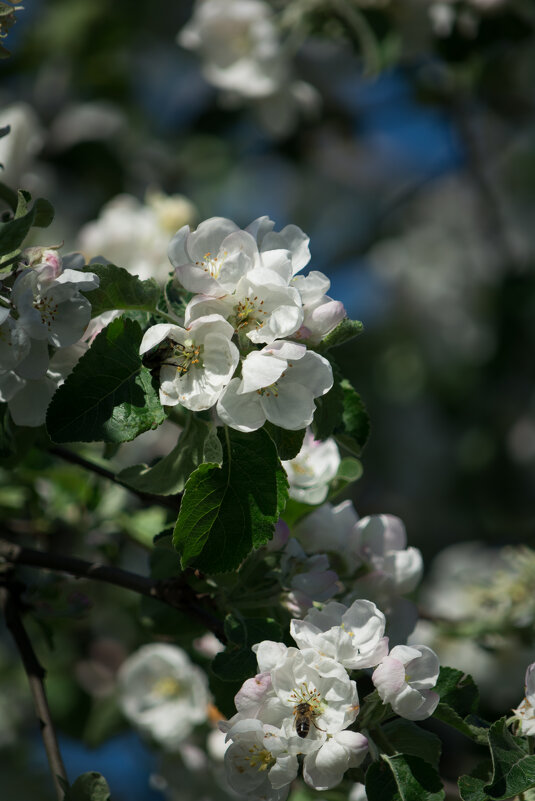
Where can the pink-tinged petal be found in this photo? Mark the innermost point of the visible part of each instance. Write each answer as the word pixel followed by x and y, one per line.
pixel 414 705
pixel 242 412
pixel 422 672
pixel 252 692
pixel 389 677
pixel 356 745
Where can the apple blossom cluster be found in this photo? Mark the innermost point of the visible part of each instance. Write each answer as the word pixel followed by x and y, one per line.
pixel 244 345
pixel 303 702
pixel 243 57
pixel 43 315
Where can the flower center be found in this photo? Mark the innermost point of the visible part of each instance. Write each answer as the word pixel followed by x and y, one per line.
pixel 47 309
pixel 187 355
pixel 260 758
pixel 212 264
pixel 168 687
pixel 305 694
pixel 248 313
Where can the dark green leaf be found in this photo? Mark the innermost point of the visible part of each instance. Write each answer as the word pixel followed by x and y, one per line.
pixel 514 766
pixel 13 232
pixel 109 396
pixel 234 663
pixel 89 787
pixel 329 410
pixel 15 441
pixel 119 289
pixel 472 789
pixel 355 431
pixel 409 738
pixel 344 332
pixel 169 475
pixel 403 778
pixel 458 690
pixel 246 631
pixel 226 511
pixel 288 443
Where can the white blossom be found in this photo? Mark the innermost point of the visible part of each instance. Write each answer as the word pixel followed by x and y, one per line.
pixel 308 578
pixel 525 711
pixel 353 636
pixel 404 679
pixel 258 762
pixel 279 384
pixel 163 693
pixel 325 768
pixel 135 235
pixel 239 46
pixel 328 529
pixel 310 472
pixel 380 543
pixel 50 305
pixel 197 363
pixel 263 311
pixel 358 793
pixel 291 239
pixel 212 259
pixel 14 342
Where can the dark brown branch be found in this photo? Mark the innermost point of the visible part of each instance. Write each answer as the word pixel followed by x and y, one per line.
pixel 173 592
pixel 9 601
pixel 169 502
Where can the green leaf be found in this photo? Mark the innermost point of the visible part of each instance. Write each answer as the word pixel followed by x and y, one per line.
pixel 13 232
pixel 344 332
pixel 226 511
pixel 403 778
pixel 349 470
pixel 109 396
pixel 514 766
pixel 89 787
pixel 329 410
pixel 119 289
pixel 472 789
pixel 409 738
pixel 288 443
pixel 234 663
pixel 355 419
pixel 458 700
pixel 458 690
pixel 196 444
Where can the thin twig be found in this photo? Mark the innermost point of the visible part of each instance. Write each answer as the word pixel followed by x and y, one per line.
pixel 173 592
pixel 9 601
pixel 169 502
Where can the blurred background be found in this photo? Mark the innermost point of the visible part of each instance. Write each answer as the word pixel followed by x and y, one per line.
pixel 407 154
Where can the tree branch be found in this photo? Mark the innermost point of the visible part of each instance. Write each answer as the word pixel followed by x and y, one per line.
pixel 173 592
pixel 11 607
pixel 169 502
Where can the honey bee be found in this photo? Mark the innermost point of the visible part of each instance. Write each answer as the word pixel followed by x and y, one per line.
pixel 304 716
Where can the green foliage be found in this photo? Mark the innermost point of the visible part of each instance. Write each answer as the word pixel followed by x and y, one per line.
pixel 109 396
pixel 197 443
pixel 342 414
pixel 226 511
pixel 409 738
pixel 458 700
pixel 288 443
pixel 238 661
pixel 514 766
pixel 119 289
pixel 90 786
pixel 14 440
pixel 8 195
pixel 14 232
pixel 403 778
pixel 344 332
